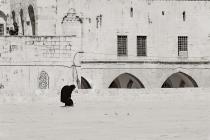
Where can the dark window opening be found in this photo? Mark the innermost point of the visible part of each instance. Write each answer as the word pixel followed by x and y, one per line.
pixel 122 45
pixel 1 29
pixel 182 46
pixel 184 16
pixel 32 18
pixel 131 11
pixel 141 46
pixel 99 21
pixel 22 20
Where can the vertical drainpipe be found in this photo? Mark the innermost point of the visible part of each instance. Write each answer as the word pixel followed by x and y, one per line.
pixel 81 49
pixel 82 31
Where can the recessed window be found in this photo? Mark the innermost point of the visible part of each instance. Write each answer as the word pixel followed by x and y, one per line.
pixel 184 16
pixel 1 29
pixel 182 46
pixel 141 46
pixel 122 45
pixel 131 11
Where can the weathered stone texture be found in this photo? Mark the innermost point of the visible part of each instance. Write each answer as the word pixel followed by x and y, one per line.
pixel 95 24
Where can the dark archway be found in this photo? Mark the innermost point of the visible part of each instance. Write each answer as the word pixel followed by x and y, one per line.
pixel 2 24
pixel 85 84
pixel 13 16
pixel 179 80
pixel 3 15
pixel 32 18
pixel 22 20
pixel 15 30
pixel 126 80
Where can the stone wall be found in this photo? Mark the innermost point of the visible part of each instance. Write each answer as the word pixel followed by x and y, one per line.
pixel 162 21
pixel 4 15
pixel 152 74
pixel 37 63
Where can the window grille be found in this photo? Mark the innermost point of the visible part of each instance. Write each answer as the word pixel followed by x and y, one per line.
pixel 122 45
pixel 182 45
pixel 141 45
pixel 1 29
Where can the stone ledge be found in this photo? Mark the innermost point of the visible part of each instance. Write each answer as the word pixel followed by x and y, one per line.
pixel 146 62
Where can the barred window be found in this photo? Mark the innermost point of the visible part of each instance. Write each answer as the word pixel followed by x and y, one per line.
pixel 182 45
pixel 1 29
pixel 122 45
pixel 141 46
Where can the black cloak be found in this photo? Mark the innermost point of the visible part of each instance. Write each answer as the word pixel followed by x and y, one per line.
pixel 66 92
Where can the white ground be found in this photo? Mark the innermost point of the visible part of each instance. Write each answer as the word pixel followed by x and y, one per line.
pixel 181 116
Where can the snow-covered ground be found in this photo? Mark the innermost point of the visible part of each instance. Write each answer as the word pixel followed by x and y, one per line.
pixel 95 116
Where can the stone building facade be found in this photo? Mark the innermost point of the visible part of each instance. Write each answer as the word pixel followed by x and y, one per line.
pixel 38 63
pixel 126 43
pixel 4 16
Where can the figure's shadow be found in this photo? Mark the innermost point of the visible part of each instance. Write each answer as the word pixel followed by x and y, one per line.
pixel 65 106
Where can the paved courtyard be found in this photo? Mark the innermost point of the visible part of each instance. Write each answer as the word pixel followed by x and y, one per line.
pixel 181 116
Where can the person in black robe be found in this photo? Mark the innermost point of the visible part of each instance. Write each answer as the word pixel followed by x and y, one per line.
pixel 66 92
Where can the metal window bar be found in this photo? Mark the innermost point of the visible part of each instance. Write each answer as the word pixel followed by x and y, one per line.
pixel 122 45
pixel 141 46
pixel 1 29
pixel 182 44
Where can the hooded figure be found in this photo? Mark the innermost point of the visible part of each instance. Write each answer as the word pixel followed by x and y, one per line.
pixel 66 92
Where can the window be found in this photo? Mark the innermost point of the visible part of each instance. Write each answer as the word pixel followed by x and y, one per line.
pixel 122 45
pixel 141 45
pixel 22 20
pixel 32 19
pixel 131 12
pixel 182 46
pixel 1 29
pixel 184 16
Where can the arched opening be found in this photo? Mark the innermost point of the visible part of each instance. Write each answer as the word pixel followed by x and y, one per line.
pixel 85 84
pixel 43 80
pixel 15 29
pixel 13 16
pixel 32 18
pixel 126 80
pixel 3 19
pixel 131 12
pixel 22 20
pixel 179 80
pixel 3 15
